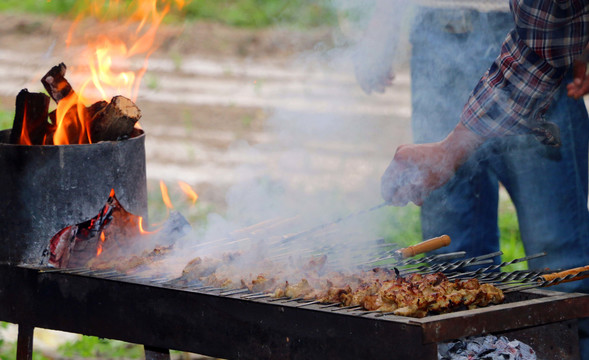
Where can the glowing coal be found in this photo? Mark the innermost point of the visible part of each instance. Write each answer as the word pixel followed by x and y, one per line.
pixel 111 238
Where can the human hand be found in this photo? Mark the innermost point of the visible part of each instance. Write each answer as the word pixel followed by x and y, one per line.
pixel 580 85
pixel 417 170
pixel 414 172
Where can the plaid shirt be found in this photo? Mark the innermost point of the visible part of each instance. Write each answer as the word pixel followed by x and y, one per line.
pixel 514 94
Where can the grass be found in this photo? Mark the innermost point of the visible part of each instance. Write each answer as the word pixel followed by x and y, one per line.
pixel 242 13
pixel 93 347
pixel 6 118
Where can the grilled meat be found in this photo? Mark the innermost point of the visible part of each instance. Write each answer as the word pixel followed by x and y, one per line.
pixel 379 289
pixel 415 296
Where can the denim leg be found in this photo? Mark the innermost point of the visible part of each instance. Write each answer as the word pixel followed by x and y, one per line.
pixel 451 49
pixel 549 189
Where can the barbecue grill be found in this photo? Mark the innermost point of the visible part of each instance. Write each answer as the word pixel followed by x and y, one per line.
pixel 161 315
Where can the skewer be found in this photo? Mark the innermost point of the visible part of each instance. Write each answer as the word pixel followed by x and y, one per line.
pixel 213 289
pixel 259 295
pixel 424 269
pixel 337 221
pixel 77 271
pixel 278 299
pixel 331 305
pixel 368 312
pixel 309 303
pixel 348 308
pixel 52 269
pixel 494 267
pixel 477 260
pixel 234 292
pixel 551 279
pixel 264 225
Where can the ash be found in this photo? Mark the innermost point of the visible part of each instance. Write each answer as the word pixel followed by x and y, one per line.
pixel 485 348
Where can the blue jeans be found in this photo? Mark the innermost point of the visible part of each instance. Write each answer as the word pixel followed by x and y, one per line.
pixel 451 49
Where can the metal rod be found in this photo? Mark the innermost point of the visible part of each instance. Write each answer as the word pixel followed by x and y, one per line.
pixel 323 226
pixel 348 308
pixel 234 292
pixel 309 303
pixel 258 296
pixel 331 305
pixel 502 264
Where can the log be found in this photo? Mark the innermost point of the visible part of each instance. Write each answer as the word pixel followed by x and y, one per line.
pixel 115 121
pixel 95 108
pixel 56 84
pixel 30 118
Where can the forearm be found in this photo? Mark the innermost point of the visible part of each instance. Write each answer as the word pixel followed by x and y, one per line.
pixel 459 145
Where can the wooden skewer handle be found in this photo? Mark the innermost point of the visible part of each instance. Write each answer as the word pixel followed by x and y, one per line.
pixel 561 274
pixel 425 246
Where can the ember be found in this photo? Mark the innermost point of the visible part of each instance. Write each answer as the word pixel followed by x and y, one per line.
pixel 111 238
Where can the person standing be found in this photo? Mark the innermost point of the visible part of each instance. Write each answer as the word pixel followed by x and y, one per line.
pixel 462 153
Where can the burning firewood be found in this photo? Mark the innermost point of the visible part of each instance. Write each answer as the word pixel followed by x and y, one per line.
pixel 56 84
pixel 114 121
pixel 30 118
pixel 72 122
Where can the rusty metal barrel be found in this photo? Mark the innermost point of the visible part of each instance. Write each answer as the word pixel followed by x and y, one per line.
pixel 44 188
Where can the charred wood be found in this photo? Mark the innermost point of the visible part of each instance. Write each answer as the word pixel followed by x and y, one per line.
pixel 30 118
pixel 115 121
pixel 56 84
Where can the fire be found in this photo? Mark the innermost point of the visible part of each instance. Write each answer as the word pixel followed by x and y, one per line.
pixel 142 230
pixel 24 134
pixel 108 54
pixel 72 121
pixel 192 195
pixel 165 195
pixel 99 248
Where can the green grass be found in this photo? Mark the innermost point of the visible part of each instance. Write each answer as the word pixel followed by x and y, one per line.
pixel 243 13
pixel 6 119
pixel 262 13
pixel 510 240
pixel 93 347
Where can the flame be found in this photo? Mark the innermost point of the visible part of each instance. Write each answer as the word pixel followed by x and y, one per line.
pixel 192 195
pixel 142 230
pixel 24 134
pixel 99 248
pixel 108 55
pixel 165 195
pixel 73 124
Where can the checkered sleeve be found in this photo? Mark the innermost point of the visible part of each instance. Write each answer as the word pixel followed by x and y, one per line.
pixel 514 94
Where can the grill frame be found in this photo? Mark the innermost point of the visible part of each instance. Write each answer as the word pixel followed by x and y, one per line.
pixel 159 316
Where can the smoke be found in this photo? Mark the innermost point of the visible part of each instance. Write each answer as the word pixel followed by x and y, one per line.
pixel 329 145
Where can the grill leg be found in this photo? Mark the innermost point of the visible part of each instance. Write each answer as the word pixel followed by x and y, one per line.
pixel 153 353
pixel 24 346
